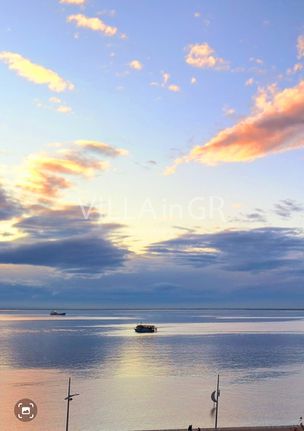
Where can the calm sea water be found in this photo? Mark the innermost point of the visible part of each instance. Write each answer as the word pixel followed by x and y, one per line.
pixel 130 381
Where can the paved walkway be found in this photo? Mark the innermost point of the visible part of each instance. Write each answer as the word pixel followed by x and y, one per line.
pixel 259 428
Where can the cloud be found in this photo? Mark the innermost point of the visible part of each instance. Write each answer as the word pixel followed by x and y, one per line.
pixel 9 207
pixel 276 125
pixel 255 250
pixel 47 175
pixel 228 111
pixel 175 88
pixel 75 2
pixel 67 221
pixel 41 223
pixel 256 216
pixel 95 24
pixel 78 255
pixel 64 109
pixel 149 164
pixel 300 46
pixel 258 61
pixel 34 72
pixel 56 104
pixel 249 82
pixel 296 68
pixel 136 65
pixel 66 240
pixel 235 266
pixel 287 207
pixel 101 148
pixel 203 57
pixel 166 77
pixel 193 80
pixel 55 100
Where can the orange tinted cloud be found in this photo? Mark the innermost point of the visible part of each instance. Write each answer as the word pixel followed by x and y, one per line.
pixel 95 24
pixel 34 72
pixel 276 125
pixel 175 88
pixel 48 175
pixel 44 184
pixel 71 165
pixel 77 2
pixel 166 77
pixel 136 65
pixel 203 57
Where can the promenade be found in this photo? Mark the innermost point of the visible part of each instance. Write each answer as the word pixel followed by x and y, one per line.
pixel 257 428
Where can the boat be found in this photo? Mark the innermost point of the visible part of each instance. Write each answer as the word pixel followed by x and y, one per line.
pixel 56 313
pixel 145 329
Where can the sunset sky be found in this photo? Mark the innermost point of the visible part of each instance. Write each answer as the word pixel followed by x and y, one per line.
pixel 151 153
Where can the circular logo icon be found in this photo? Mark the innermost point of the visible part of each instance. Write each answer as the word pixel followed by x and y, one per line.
pixel 25 410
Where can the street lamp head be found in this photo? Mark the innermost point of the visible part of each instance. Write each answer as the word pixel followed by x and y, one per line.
pixel 70 397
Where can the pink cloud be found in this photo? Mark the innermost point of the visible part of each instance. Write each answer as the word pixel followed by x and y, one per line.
pixel 275 125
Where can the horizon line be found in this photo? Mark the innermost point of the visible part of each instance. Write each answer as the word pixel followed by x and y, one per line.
pixel 153 308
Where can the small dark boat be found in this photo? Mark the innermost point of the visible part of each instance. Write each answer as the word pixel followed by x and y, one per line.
pixel 145 329
pixel 56 313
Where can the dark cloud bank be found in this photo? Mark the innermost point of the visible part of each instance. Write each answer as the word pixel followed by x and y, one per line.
pixel 254 250
pixel 262 267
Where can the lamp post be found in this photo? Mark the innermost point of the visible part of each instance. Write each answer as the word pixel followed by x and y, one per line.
pixel 215 398
pixel 68 399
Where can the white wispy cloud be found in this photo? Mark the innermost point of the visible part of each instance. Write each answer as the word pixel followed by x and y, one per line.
pixel 256 60
pixel 300 46
pixel 249 82
pixel 34 72
pixel 296 68
pixel 94 24
pixel 64 109
pixel 228 111
pixel 54 99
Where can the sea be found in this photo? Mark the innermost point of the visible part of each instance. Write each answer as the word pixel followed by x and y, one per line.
pixel 130 381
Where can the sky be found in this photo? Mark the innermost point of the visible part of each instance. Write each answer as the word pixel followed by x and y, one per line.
pixel 151 153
